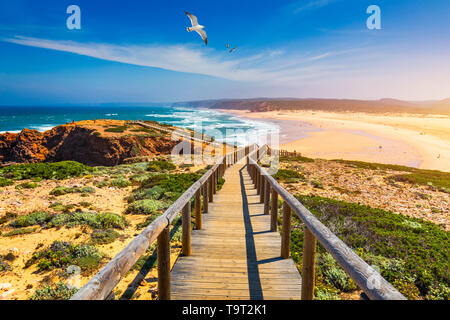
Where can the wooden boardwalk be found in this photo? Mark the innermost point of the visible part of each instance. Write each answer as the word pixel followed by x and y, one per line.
pixel 235 256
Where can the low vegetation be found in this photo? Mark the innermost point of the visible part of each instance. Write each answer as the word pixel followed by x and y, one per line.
pixel 57 170
pixel 287 174
pixel 59 291
pixel 433 178
pixel 412 254
pixel 20 231
pixel 94 220
pixel 159 166
pixel 61 190
pixel 295 159
pixel 61 254
pixel 145 206
pixel 5 182
pixel 117 129
pixel 104 236
pixel 27 185
pixel 120 182
pixel 4 265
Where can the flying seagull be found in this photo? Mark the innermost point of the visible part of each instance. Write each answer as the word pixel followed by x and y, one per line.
pixel 196 27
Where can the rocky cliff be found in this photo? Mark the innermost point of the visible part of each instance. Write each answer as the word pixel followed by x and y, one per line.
pixel 79 143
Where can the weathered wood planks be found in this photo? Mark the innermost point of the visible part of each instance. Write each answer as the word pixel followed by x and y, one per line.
pixel 235 255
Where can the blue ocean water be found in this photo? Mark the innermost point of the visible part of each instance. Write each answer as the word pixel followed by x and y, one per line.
pixel 14 119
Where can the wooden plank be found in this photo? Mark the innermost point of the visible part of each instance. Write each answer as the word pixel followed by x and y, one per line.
pixel 235 255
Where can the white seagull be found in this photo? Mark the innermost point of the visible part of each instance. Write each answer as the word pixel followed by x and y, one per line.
pixel 196 27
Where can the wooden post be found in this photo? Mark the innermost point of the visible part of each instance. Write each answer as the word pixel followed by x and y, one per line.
pixel 267 197
pixel 262 187
pixel 186 218
pixel 309 254
pixel 274 211
pixel 214 182
pixel 286 231
pixel 163 256
pixel 198 211
pixel 210 189
pixel 205 197
pixel 257 181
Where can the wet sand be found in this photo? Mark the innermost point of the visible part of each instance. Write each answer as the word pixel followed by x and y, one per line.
pixel 411 140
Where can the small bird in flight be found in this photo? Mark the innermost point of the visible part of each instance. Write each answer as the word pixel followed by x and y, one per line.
pixel 232 49
pixel 196 27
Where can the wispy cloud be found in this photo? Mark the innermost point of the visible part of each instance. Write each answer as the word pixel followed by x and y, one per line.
pixel 275 65
pixel 300 6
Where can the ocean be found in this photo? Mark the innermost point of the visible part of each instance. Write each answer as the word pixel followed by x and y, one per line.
pixel 224 127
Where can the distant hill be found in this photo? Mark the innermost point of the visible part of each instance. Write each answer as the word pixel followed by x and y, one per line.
pixel 340 105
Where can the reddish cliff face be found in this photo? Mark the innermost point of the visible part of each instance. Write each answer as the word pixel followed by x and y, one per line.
pixel 78 143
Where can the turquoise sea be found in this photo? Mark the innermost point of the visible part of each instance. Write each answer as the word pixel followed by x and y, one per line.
pixel 14 119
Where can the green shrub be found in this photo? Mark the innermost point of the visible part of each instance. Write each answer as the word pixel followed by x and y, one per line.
pixel 220 183
pixel 439 292
pixel 61 190
pixel 20 231
pixel 58 170
pixel 112 220
pixel 323 294
pixel 105 220
pixel 173 184
pixel 121 182
pixel 35 218
pixel 27 185
pixel 5 182
pixel 152 193
pixel 159 165
pixel 146 206
pixel 60 254
pixel 59 292
pixel 284 174
pixel 333 273
pixel 104 236
pixel 139 178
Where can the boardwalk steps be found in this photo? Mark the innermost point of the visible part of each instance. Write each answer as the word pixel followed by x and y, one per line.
pixel 235 256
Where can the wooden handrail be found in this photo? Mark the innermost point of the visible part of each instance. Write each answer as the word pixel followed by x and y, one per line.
pixel 103 282
pixel 367 278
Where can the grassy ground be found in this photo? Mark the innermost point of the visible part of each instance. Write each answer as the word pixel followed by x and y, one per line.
pixel 88 237
pixel 411 253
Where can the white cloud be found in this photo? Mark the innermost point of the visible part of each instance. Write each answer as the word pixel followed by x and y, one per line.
pixel 313 4
pixel 273 65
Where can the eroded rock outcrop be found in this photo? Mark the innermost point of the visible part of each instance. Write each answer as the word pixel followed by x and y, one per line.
pixel 79 143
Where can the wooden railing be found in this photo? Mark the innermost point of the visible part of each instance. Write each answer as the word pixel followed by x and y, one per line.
pixel 102 284
pixel 365 277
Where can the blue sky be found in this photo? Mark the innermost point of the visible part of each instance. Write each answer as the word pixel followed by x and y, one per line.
pixel 140 51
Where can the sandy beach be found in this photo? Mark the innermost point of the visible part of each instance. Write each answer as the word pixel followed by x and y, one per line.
pixel 405 139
